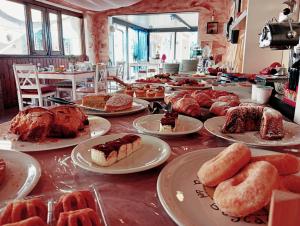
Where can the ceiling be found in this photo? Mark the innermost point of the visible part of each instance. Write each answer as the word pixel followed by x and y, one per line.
pixel 166 20
pixel 95 5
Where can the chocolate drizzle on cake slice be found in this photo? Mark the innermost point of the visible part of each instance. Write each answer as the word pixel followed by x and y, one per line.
pixel 112 151
pixel 168 122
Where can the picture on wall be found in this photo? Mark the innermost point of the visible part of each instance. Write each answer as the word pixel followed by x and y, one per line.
pixel 212 28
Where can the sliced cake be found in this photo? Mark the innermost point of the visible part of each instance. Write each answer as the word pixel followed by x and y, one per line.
pixel 95 101
pixel 168 122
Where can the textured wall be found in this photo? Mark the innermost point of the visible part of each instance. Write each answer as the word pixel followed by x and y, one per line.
pixel 98 30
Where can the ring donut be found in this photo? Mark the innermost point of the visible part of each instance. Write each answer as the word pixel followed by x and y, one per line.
pixel 285 163
pixel 224 165
pixel 248 191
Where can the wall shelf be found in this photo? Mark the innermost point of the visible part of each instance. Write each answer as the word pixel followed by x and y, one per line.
pixel 239 22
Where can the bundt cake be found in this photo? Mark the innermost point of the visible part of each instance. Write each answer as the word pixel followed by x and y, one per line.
pixel 21 210
pixel 251 118
pixel 84 217
pixel 32 124
pixel 74 201
pixel 2 170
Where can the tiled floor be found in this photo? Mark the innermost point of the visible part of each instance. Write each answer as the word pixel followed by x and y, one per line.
pixel 9 114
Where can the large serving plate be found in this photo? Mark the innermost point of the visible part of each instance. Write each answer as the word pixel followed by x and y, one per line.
pixel 291 137
pixel 98 126
pixel 153 152
pixel 21 175
pixel 137 106
pixel 149 124
pixel 207 86
pixel 188 202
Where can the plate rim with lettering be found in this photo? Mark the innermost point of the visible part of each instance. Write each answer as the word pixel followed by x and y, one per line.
pixel 179 193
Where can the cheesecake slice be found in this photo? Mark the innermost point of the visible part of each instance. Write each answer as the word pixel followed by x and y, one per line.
pixel 168 122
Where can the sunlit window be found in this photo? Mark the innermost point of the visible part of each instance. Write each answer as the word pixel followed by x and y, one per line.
pixel 71 35
pixel 13 39
pixel 54 31
pixel 185 42
pixel 162 43
pixel 37 18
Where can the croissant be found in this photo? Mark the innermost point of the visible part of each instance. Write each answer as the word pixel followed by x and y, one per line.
pixel 219 108
pixel 32 221
pixel 21 210
pixel 230 99
pixel 203 99
pixel 74 201
pixel 86 217
pixel 175 96
pixel 187 105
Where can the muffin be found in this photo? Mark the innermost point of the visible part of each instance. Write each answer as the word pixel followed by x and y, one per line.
pixel 150 93
pixel 129 91
pixel 147 87
pixel 140 93
pixel 160 91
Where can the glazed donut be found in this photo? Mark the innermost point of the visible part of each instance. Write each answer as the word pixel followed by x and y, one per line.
pixel 226 164
pixel 285 163
pixel 290 183
pixel 248 191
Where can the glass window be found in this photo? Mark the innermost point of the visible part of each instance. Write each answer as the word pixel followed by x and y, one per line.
pixel 71 35
pixel 13 38
pixel 37 18
pixel 162 43
pixel 119 43
pixel 54 31
pixel 185 41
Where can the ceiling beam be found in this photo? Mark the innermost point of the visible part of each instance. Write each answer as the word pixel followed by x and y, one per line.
pixel 175 16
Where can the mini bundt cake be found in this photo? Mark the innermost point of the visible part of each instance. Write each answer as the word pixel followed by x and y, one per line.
pixel 2 170
pixel 32 221
pixel 32 124
pixel 74 201
pixel 86 217
pixel 68 121
pixel 251 118
pixel 21 210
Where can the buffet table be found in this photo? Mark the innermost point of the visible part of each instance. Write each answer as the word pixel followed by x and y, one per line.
pixel 129 199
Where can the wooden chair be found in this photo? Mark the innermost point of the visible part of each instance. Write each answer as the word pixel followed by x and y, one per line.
pixel 99 84
pixel 28 85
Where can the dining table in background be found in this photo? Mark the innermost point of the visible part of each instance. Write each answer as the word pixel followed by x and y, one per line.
pixel 74 77
pixel 127 199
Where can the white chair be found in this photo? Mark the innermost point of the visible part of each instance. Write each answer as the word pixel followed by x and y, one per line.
pixel 28 85
pixel 100 82
pixel 116 74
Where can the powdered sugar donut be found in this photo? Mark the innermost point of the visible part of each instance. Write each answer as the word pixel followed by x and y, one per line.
pixel 224 165
pixel 248 191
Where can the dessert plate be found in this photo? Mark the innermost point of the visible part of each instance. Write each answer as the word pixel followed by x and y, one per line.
pixel 153 152
pixel 21 175
pixel 188 202
pixel 137 106
pixel 98 126
pixel 149 124
pixel 207 86
pixel 291 137
pixel 198 78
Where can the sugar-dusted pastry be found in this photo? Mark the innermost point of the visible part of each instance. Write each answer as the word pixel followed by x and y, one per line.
pixel 150 93
pixel 21 210
pixel 140 92
pixel 84 217
pixel 203 99
pixel 32 221
pixel 187 105
pixel 113 151
pixel 95 101
pixel 74 201
pixel 119 102
pixel 68 121
pixel 168 122
pixel 32 124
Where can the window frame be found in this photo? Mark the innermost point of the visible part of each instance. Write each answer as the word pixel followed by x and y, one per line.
pixel 28 4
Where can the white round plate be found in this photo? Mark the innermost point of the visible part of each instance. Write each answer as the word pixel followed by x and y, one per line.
pixel 190 87
pixel 98 126
pixel 153 152
pixel 149 124
pixel 198 78
pixel 137 106
pixel 152 98
pixel 188 202
pixel 291 137
pixel 21 175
